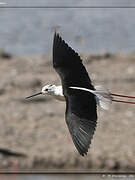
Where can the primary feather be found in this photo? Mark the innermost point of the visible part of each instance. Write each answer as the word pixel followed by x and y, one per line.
pixel 81 111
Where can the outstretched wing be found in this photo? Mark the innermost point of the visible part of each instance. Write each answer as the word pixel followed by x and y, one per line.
pixel 69 65
pixel 81 112
pixel 81 130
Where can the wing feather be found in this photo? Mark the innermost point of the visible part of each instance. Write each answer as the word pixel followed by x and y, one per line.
pixel 69 65
pixel 81 131
pixel 81 112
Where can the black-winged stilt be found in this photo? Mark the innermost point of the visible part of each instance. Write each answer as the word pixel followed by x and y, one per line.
pixel 80 95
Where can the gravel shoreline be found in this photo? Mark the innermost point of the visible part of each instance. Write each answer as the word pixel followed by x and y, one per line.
pixel 37 127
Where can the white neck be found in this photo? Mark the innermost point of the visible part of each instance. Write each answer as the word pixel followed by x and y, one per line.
pixel 58 93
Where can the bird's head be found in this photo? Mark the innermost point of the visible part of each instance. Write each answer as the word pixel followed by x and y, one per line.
pixel 47 89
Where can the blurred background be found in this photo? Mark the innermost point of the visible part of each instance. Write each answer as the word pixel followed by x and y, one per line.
pixel 30 30
pixel 34 135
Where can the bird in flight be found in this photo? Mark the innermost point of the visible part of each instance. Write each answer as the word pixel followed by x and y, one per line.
pixel 80 95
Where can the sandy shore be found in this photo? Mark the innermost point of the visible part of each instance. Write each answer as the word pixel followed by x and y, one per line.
pixel 37 127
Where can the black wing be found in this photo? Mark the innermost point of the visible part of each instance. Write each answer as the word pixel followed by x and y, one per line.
pixel 81 112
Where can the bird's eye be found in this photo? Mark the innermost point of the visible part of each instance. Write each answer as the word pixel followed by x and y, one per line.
pixel 46 89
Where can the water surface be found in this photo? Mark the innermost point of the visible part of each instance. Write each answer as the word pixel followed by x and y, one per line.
pixel 30 30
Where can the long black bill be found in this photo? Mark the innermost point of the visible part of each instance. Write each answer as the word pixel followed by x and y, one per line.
pixel 33 95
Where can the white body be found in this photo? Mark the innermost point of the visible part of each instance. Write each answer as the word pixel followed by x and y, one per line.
pixel 103 96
